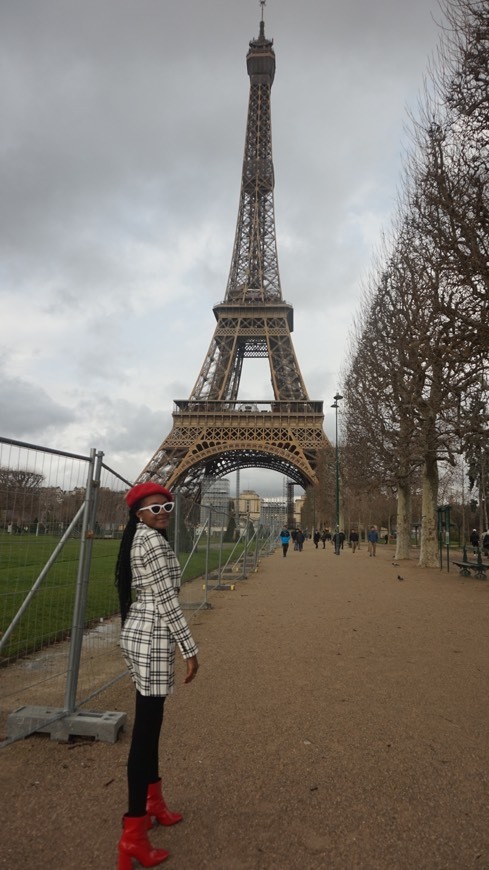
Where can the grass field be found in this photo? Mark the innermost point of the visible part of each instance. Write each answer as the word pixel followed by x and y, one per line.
pixel 49 615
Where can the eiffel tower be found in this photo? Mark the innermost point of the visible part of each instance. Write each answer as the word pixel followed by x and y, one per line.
pixel 213 433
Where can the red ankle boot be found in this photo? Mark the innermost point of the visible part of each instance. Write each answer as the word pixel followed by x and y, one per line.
pixel 157 808
pixel 134 843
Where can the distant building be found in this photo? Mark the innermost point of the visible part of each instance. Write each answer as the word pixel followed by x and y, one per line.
pixel 298 505
pixel 249 504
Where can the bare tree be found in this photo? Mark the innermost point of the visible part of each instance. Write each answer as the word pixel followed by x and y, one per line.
pixel 380 387
pixel 19 479
pixel 319 502
pixel 447 212
pixel 19 491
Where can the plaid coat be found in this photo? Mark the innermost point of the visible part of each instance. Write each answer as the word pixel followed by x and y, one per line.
pixel 155 620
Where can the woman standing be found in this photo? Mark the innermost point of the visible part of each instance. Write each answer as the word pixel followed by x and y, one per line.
pixel 151 626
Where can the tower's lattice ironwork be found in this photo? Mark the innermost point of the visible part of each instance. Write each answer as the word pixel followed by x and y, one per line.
pixel 213 432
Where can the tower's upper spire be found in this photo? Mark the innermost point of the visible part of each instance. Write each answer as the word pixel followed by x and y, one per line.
pixel 260 59
pixel 254 273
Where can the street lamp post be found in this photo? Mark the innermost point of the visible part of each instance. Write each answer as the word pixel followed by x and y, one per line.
pixel 337 398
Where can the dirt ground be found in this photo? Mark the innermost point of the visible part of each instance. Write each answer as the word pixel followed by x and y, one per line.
pixel 339 720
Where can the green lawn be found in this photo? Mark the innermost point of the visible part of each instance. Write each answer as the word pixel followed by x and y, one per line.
pixel 49 616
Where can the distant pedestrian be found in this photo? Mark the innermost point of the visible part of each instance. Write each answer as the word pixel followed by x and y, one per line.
pixel 373 538
pixel 324 538
pixel 300 538
pixel 285 540
pixel 342 539
pixel 316 538
pixel 353 540
pixel 474 540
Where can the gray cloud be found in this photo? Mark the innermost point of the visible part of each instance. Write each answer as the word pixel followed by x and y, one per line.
pixel 26 410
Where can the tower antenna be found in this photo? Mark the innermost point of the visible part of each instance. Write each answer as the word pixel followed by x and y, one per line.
pixel 263 3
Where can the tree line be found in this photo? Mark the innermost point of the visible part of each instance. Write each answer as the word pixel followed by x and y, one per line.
pixel 27 503
pixel 415 382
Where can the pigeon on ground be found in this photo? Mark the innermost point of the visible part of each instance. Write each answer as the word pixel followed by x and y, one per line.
pixel 399 577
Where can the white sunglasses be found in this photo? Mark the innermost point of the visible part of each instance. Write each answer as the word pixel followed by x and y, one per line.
pixel 157 508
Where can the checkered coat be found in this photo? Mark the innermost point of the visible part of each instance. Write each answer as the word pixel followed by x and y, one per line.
pixel 155 621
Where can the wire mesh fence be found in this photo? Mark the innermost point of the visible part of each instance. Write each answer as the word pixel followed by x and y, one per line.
pixel 210 552
pixel 61 520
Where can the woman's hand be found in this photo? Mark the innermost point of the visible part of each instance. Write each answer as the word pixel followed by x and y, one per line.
pixel 192 668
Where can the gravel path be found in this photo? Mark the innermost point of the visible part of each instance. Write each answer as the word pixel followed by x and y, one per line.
pixel 339 720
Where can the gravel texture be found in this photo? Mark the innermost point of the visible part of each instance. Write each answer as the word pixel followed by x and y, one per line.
pixel 338 720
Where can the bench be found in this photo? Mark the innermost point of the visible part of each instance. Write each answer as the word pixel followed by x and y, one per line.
pixel 479 569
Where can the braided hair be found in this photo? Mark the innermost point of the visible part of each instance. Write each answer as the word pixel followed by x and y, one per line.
pixel 123 571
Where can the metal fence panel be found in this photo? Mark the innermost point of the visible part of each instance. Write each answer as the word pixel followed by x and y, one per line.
pixel 61 520
pixel 45 531
pixel 100 661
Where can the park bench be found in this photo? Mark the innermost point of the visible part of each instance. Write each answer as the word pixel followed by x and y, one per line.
pixel 466 567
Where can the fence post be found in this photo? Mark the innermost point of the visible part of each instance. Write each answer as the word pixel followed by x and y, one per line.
pixel 86 540
pixel 257 545
pixel 221 543
pixel 245 551
pixel 176 524
pixel 207 554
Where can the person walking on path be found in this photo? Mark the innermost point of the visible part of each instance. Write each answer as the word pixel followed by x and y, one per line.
pixel 353 540
pixel 285 540
pixel 474 540
pixel 300 539
pixel 373 538
pixel 316 538
pixel 151 626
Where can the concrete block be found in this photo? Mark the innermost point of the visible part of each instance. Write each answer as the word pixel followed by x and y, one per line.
pixel 61 725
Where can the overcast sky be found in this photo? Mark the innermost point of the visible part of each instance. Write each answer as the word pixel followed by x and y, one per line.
pixel 123 126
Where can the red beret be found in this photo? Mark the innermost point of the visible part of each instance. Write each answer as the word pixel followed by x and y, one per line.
pixel 141 490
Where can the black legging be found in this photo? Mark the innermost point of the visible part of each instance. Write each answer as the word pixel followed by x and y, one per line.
pixel 143 762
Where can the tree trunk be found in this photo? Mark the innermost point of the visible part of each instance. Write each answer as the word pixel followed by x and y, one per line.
pixel 403 539
pixel 482 495
pixel 428 556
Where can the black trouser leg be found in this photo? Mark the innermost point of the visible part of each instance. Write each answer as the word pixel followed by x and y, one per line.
pixel 142 763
